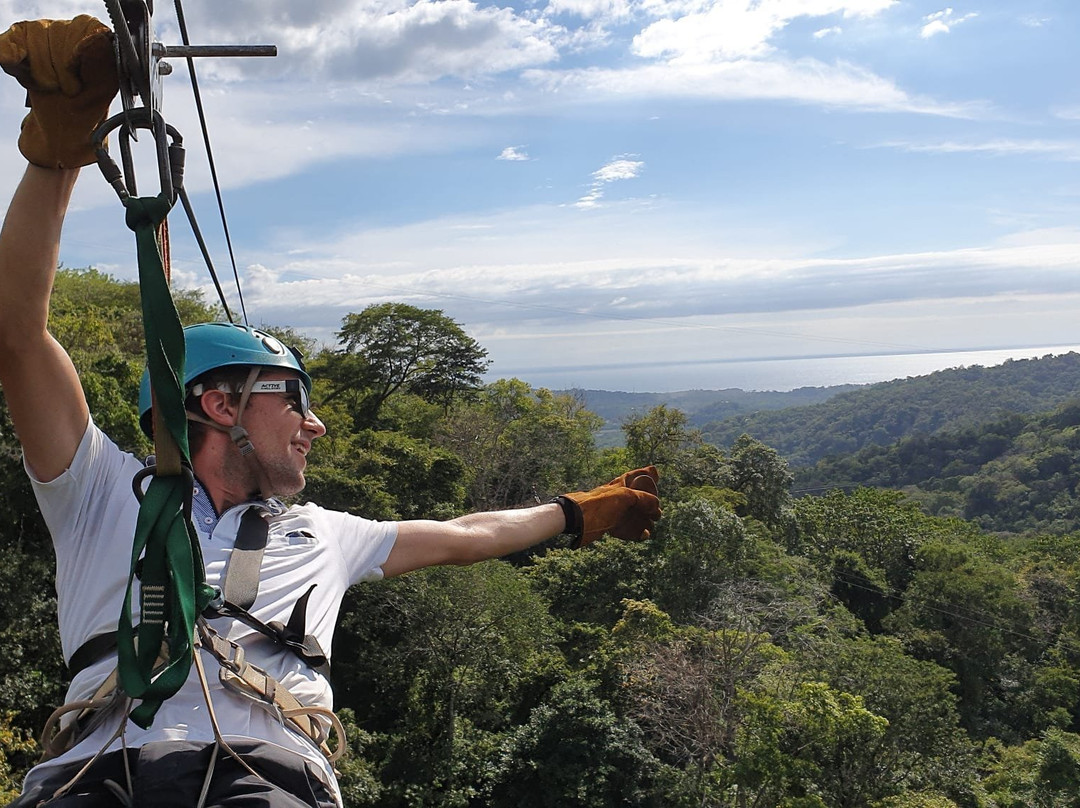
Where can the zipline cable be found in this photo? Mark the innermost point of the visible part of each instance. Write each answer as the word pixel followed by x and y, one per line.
pixel 213 174
pixel 190 211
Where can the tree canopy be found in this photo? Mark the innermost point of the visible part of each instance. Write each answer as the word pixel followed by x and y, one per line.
pixel 393 347
pixel 844 649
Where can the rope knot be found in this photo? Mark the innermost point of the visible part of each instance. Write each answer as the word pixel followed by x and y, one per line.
pixel 143 211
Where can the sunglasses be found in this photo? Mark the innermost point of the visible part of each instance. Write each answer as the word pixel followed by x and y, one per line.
pixel 292 389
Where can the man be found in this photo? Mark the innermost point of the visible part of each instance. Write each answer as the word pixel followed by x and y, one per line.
pixel 218 741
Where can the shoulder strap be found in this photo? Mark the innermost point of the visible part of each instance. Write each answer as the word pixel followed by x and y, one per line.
pixel 245 561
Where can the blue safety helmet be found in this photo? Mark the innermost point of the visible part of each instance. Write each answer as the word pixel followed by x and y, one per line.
pixel 216 345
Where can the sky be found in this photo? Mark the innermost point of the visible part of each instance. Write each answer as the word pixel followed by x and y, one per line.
pixel 640 195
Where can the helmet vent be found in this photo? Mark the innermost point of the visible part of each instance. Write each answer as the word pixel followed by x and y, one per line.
pixel 272 344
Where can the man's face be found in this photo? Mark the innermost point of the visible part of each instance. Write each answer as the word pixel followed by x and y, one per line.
pixel 281 434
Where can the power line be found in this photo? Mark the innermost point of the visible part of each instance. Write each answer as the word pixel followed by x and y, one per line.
pixel 974 617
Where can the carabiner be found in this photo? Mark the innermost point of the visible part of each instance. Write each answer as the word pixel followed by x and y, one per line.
pixel 151 471
pixel 168 144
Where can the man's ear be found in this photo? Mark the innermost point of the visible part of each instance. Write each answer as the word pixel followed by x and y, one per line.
pixel 219 407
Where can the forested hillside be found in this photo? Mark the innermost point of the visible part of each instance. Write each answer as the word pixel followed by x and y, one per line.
pixel 1021 473
pixel 841 651
pixel 881 414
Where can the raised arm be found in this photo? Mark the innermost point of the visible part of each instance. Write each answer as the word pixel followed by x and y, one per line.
pixel 39 382
pixel 68 69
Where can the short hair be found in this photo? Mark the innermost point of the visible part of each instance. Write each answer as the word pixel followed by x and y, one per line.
pixel 230 377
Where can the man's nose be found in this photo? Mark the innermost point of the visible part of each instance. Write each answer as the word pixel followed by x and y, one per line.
pixel 313 424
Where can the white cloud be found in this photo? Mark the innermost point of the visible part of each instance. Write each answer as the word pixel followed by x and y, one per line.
pixel 353 41
pixel 834 30
pixel 266 139
pixel 621 168
pixel 565 290
pixel 732 29
pixel 12 10
pixel 942 22
pixel 804 80
pixel 1068 150
pixel 513 153
pixel 932 28
pixel 590 9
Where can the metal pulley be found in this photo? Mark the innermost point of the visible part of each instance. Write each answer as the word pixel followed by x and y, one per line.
pixel 141 66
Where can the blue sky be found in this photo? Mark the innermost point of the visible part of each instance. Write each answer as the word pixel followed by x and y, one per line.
pixel 635 194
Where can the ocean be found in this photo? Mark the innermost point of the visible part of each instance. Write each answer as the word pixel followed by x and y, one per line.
pixel 788 374
pixel 779 374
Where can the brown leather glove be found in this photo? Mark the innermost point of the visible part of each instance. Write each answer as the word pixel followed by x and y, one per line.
pixel 643 479
pixel 69 70
pixel 626 508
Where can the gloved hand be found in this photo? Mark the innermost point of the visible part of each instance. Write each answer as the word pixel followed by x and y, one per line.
pixel 69 70
pixel 626 508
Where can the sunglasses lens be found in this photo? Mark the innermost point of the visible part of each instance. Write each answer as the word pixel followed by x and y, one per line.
pixel 293 389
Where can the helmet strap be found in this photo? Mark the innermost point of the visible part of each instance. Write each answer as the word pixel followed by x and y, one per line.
pixel 239 435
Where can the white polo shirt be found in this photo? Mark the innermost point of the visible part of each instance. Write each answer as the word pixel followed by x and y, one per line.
pixel 91 512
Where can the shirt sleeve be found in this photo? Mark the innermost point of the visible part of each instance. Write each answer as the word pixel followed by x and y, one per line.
pixel 90 512
pixel 364 544
pixel 99 472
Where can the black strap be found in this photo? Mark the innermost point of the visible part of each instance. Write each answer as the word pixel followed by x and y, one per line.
pixel 575 520
pixel 292 636
pixel 97 647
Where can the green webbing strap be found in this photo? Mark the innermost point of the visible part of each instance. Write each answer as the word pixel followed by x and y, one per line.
pixel 173 590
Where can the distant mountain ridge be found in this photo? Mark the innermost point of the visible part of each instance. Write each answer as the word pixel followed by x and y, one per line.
pixel 700 406
pixel 811 423
pixel 1016 474
pixel 884 413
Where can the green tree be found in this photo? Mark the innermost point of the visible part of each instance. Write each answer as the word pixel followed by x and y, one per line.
pixel 438 663
pixel 923 748
pixel 383 475
pixel 394 347
pixel 884 528
pixel 1041 773
pixel 814 747
pixel 761 475
pixel 657 437
pixel 698 546
pixel 16 746
pixel 573 752
pixel 684 682
pixel 590 585
pixel 519 443
pixel 968 614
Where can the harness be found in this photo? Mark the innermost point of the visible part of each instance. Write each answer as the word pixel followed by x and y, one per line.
pixel 238 675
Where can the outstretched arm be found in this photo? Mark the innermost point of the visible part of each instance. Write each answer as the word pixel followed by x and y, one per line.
pixel 468 539
pixel 39 381
pixel 626 508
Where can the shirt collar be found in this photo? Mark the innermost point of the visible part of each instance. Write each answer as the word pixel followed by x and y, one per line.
pixel 206 518
pixel 202 509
